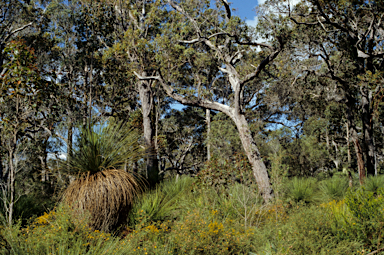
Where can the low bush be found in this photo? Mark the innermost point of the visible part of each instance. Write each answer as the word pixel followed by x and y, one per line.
pixel 333 188
pixel 374 183
pixel 180 218
pixel 161 203
pixel 300 190
pixel 57 232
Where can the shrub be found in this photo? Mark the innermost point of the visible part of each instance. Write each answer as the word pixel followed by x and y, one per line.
pixel 300 190
pixel 220 173
pixel 374 183
pixel 159 204
pixel 360 217
pixel 247 204
pixel 307 231
pixel 198 232
pixel 333 189
pixel 57 232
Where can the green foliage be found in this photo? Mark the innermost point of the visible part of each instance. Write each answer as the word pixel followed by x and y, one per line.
pixel 57 232
pixel 305 230
pixel 374 183
pixel 367 212
pixel 160 203
pixel 204 221
pixel 359 217
pixel 333 188
pixel 31 205
pixel 221 172
pixel 301 190
pixel 108 145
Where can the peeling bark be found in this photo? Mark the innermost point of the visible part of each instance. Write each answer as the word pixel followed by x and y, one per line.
pixel 146 98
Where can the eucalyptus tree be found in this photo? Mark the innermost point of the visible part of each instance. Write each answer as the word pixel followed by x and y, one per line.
pixel 195 35
pixel 17 18
pixel 28 108
pixel 345 39
pixel 137 24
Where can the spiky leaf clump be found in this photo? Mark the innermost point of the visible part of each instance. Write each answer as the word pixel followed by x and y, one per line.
pixel 106 146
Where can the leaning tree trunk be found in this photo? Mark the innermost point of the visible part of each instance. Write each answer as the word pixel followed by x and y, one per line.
pixel 259 169
pixel 146 98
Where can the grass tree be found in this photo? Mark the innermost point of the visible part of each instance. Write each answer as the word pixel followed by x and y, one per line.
pixel 104 190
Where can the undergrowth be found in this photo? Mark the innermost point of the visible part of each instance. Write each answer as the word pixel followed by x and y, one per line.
pixel 178 217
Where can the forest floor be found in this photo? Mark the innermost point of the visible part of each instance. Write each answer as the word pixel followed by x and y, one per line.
pixel 308 216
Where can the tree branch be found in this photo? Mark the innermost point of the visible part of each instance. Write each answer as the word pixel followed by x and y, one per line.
pixel 186 101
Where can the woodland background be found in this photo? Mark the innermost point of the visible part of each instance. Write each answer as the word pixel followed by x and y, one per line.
pixel 299 95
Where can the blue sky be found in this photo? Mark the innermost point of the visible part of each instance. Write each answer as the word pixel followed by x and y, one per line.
pixel 244 8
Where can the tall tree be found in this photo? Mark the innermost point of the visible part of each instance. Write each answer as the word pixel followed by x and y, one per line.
pixel 347 37
pixel 28 103
pixel 196 35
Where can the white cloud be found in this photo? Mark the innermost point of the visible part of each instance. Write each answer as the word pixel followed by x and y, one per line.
pixel 260 2
pixel 253 22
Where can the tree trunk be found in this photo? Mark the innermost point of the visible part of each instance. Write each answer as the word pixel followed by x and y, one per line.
pixel 208 120
pixel 349 159
pixel 69 140
pixel 1 162
pixel 11 188
pixel 355 138
pixel 146 98
pixel 253 154
pixel 360 160
pixel 369 148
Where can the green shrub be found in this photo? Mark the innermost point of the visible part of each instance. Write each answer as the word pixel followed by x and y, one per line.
pixel 221 173
pixel 58 233
pixel 333 188
pixel 159 204
pixel 374 183
pixel 359 217
pixel 198 232
pixel 300 190
pixel 302 229
pixel 246 204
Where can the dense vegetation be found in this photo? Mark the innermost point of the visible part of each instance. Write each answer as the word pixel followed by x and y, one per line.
pixel 277 148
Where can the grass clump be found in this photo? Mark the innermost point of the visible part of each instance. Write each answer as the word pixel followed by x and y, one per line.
pixel 374 183
pixel 300 190
pixel 333 188
pixel 162 202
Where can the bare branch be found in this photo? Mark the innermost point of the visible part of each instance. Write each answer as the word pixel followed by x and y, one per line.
pixel 191 41
pixel 18 30
pixel 187 101
pixel 227 9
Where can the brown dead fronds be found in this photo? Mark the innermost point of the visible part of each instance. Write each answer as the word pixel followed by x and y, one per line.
pixel 106 196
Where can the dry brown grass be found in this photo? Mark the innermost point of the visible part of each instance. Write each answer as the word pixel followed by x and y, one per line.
pixel 106 196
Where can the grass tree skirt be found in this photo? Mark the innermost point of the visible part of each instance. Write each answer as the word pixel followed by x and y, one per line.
pixel 106 197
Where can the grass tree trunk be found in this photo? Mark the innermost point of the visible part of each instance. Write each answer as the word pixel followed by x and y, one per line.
pixel 146 98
